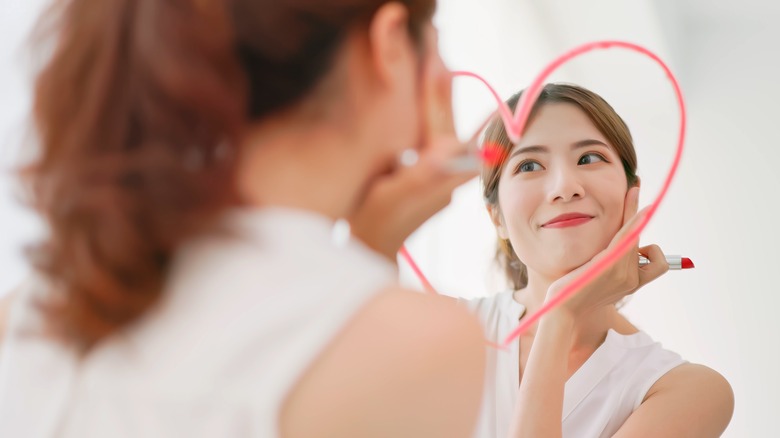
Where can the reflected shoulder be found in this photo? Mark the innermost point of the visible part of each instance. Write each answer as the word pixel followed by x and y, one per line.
pixel 691 400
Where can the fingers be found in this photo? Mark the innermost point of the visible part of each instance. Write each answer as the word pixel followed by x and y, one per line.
pixel 463 157
pixel 425 187
pixel 437 95
pixel 440 138
pixel 433 182
pixel 631 204
pixel 628 227
pixel 630 216
pixel 656 267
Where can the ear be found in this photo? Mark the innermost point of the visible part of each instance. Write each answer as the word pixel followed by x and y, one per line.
pixel 390 45
pixel 498 220
pixel 638 181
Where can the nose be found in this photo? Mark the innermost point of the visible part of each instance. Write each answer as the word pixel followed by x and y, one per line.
pixel 564 185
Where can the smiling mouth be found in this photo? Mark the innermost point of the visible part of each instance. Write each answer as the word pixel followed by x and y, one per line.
pixel 568 222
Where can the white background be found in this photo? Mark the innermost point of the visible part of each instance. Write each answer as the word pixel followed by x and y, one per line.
pixel 721 210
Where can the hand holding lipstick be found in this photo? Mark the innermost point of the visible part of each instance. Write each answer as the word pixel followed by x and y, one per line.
pixel 398 202
pixel 623 278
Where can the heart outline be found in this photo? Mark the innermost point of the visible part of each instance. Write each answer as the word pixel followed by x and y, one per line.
pixel 514 124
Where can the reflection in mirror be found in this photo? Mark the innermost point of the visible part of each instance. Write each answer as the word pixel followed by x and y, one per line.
pixel 716 313
pixel 562 197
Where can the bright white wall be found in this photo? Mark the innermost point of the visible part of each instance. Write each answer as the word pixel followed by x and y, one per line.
pixel 724 314
pixel 18 227
pixel 719 211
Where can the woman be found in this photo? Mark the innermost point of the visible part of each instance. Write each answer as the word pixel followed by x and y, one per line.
pixel 560 198
pixel 193 158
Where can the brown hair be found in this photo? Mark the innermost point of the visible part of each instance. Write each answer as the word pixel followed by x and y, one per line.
pixel 138 112
pixel 603 116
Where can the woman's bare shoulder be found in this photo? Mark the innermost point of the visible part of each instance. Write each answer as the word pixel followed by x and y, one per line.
pixel 691 400
pixel 698 380
pixel 408 363
pixel 694 377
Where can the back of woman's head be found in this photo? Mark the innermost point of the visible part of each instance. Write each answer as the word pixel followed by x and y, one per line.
pixel 603 117
pixel 138 114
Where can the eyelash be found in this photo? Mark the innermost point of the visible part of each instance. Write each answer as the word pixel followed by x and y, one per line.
pixel 520 165
pixel 601 157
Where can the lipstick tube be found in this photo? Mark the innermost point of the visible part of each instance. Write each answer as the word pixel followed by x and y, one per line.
pixel 676 262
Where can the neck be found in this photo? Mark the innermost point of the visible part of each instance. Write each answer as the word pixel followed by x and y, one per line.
pixel 304 166
pixel 589 331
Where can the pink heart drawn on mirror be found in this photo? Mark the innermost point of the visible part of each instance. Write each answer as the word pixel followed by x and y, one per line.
pixel 515 124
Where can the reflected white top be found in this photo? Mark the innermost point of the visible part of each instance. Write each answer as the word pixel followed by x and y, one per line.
pixel 243 315
pixel 598 398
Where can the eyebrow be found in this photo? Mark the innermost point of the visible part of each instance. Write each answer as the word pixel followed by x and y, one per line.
pixel 545 149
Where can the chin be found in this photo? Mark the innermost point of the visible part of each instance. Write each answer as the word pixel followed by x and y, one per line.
pixel 570 261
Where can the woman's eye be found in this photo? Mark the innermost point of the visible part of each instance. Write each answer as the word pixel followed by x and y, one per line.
pixel 529 166
pixel 591 158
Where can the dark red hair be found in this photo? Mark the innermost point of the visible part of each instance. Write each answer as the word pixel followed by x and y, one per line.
pixel 138 113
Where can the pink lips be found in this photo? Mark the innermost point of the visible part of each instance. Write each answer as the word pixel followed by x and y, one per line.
pixel 568 220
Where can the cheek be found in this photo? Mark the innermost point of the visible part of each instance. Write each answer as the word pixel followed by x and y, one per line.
pixel 519 201
pixel 613 196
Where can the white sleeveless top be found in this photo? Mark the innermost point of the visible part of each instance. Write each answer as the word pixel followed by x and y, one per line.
pixel 598 397
pixel 242 317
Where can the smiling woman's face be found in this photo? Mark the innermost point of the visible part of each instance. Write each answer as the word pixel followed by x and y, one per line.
pixel 561 192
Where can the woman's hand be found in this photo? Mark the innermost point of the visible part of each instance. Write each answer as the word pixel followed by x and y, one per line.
pixel 624 277
pixel 398 203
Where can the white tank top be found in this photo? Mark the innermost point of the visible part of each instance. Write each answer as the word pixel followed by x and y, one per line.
pixel 598 397
pixel 242 317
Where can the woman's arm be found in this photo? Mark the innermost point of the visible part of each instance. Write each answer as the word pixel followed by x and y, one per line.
pixel 540 398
